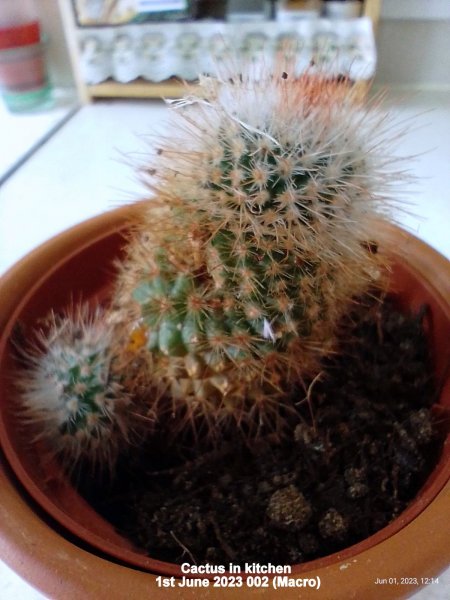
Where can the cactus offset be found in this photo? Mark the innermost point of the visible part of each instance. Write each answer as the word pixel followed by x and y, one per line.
pixel 259 243
pixel 71 394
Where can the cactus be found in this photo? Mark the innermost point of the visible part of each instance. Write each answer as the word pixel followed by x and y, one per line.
pixel 237 274
pixel 70 393
pixel 257 244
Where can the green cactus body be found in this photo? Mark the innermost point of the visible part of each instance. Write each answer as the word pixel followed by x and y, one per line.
pixel 270 191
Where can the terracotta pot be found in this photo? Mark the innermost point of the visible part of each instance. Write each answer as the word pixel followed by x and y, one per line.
pixel 52 538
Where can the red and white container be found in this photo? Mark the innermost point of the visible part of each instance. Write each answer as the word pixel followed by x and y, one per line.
pixel 23 75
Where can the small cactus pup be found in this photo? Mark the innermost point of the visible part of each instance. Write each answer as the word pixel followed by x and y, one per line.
pixel 71 394
pixel 258 240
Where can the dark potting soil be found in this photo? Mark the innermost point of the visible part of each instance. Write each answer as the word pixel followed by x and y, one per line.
pixel 363 444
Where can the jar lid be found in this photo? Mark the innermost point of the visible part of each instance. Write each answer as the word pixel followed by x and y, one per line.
pixel 20 35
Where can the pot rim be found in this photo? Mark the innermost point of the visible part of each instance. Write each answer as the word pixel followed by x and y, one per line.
pixel 82 236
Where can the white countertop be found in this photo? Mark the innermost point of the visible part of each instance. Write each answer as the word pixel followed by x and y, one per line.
pixel 83 170
pixel 22 133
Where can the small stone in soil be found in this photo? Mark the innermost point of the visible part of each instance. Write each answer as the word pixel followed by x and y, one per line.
pixel 333 525
pixel 288 508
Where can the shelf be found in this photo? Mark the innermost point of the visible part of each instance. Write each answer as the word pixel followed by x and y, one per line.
pixel 140 88
pixel 172 88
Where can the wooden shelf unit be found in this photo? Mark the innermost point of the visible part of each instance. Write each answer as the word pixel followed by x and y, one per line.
pixel 140 88
pixel 171 88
